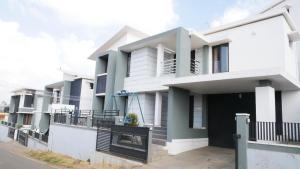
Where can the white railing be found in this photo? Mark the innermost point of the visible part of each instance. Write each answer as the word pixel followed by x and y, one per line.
pixel 169 66
pixel 195 67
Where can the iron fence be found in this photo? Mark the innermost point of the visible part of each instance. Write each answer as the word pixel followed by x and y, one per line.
pixel 105 119
pixel 80 117
pixel 274 131
pixel 45 138
pixel 60 118
pixel 37 135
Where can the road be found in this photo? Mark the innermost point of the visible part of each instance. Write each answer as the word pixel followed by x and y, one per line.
pixel 10 160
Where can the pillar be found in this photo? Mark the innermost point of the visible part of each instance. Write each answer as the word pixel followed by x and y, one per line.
pixel 157 112
pixel 265 104
pixel 242 132
pixel 160 59
pixel 183 53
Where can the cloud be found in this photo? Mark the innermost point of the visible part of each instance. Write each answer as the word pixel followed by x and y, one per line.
pixel 34 61
pixel 239 10
pixel 150 16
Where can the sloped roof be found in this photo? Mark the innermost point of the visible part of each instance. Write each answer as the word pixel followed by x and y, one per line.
pixel 125 30
pixel 271 6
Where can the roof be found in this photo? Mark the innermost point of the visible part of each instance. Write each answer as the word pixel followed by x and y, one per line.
pixel 271 6
pixel 254 19
pixel 125 30
pixel 26 89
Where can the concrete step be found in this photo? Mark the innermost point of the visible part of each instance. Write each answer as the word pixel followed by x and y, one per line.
pixel 161 142
pixel 159 136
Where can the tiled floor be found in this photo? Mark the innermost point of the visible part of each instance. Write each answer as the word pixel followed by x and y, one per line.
pixel 203 158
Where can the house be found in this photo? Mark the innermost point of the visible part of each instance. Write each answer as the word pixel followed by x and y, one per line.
pixel 23 104
pixel 71 94
pixel 190 85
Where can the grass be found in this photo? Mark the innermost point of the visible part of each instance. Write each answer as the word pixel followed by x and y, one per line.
pixel 66 162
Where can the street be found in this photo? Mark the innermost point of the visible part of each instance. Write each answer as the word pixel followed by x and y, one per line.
pixel 9 160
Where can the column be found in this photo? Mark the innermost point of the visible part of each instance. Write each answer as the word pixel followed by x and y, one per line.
pixel 183 53
pixel 265 104
pixel 157 112
pixel 160 59
pixel 242 134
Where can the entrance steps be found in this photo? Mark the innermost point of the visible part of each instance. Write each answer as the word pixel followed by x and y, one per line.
pixel 159 136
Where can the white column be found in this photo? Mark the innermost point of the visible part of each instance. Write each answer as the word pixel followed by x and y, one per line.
pixel 265 104
pixel 210 60
pixel 160 59
pixel 157 112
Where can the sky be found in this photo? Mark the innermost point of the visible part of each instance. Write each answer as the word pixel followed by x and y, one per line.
pixel 39 37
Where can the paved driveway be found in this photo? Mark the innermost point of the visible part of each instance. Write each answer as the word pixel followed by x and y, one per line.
pixel 10 159
pixel 203 158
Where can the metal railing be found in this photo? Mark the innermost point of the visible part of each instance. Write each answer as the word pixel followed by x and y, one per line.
pixel 26 109
pixel 80 117
pixel 195 67
pixel 169 66
pixel 105 119
pixel 273 131
pixel 60 118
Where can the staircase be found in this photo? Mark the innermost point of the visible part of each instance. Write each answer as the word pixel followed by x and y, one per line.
pixel 159 136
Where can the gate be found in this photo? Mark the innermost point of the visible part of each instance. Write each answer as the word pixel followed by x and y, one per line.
pixel 23 138
pixel 103 139
pixel 11 132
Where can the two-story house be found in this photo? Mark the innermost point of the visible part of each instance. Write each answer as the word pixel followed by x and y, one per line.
pixel 191 85
pixel 71 94
pixel 23 104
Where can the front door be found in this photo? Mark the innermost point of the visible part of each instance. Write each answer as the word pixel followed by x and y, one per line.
pixel 221 116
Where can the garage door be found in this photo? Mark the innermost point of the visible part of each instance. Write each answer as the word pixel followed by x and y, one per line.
pixel 221 116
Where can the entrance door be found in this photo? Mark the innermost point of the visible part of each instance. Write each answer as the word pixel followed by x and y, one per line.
pixel 221 116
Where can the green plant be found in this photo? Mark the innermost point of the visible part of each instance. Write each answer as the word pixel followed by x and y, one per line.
pixel 134 121
pixel 18 126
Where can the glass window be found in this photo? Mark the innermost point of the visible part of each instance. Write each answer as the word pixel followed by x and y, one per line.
pixel 221 58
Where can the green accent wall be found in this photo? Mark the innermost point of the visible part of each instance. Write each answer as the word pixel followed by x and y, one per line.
pixel 121 69
pixel 104 102
pixel 178 116
pixel 183 52
pixel 66 92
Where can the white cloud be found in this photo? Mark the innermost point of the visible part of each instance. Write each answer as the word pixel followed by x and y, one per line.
pixel 34 61
pixel 240 10
pixel 150 16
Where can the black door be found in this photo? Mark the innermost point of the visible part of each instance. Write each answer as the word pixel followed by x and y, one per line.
pixel 221 116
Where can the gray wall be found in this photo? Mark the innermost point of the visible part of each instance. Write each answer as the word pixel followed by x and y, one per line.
pixel 178 116
pixel 110 81
pixel 66 92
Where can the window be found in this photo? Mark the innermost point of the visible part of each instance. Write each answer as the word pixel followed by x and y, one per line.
pixel 193 62
pixel 28 101
pixel 27 119
pixel 101 84
pixel 220 58
pixel 128 65
pixel 191 112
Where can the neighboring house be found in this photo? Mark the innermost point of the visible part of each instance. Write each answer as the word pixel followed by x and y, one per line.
pixel 190 85
pixel 73 93
pixel 23 104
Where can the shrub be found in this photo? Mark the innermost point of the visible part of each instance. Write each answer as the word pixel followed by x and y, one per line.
pixel 133 120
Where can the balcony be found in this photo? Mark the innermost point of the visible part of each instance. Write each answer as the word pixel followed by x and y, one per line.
pixel 26 110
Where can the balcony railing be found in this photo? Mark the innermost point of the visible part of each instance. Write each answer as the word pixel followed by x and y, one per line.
pixel 26 109
pixel 195 67
pixel 169 66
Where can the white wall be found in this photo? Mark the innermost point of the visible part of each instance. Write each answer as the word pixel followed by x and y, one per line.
pixel 3 133
pixel 86 95
pixel 143 72
pixel 36 144
pixel 147 102
pixel 255 46
pixel 290 106
pixel 263 159
pixel 77 142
